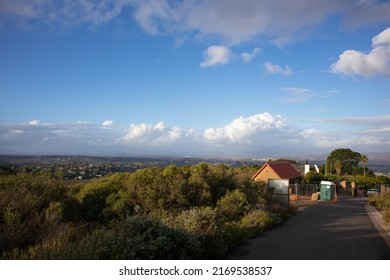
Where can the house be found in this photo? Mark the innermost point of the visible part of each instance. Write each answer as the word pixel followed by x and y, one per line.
pixel 277 170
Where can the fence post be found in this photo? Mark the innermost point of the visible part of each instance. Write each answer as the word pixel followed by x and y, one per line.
pixel 353 188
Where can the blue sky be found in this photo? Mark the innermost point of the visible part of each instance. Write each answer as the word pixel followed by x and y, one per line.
pixel 193 77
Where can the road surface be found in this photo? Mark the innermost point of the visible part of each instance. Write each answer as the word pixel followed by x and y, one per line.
pixel 323 231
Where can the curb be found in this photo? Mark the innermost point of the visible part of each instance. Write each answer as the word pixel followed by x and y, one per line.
pixel 376 219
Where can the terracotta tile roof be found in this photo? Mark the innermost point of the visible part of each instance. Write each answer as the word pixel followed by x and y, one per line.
pixel 284 169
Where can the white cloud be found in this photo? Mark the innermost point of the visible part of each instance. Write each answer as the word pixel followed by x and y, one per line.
pixel 150 134
pixel 247 57
pixel 258 134
pixel 216 55
pixel 149 13
pixel 59 138
pixel 34 122
pixel 374 63
pixel 276 69
pixel 244 130
pixel 108 123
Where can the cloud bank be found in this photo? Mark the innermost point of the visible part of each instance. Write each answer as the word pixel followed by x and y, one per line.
pixel 255 135
pixel 230 22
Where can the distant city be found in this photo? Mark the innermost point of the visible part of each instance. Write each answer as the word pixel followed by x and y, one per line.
pixel 89 167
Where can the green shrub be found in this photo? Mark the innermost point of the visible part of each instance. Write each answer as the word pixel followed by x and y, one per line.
pixel 93 197
pixel 372 199
pixel 256 222
pixel 139 238
pixel 381 201
pixel 386 216
pixel 234 233
pixel 231 207
pixel 189 212
pixel 30 206
pixel 132 238
pixel 204 223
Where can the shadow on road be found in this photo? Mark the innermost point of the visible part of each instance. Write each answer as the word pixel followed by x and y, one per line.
pixel 323 231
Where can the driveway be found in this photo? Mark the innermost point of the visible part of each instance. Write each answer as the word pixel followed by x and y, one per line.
pixel 323 231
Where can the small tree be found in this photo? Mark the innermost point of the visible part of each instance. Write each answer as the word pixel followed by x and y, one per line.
pixel 364 160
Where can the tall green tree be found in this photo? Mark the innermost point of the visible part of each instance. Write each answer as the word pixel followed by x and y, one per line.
pixel 348 158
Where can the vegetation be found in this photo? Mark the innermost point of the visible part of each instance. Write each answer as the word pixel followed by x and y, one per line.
pixel 364 160
pixel 189 212
pixel 382 202
pixel 343 161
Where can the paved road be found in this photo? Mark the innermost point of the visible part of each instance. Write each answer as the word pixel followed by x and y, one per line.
pixel 323 231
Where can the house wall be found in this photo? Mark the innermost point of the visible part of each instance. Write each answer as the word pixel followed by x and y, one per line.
pixel 266 174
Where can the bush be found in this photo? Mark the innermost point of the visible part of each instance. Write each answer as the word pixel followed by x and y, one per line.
pixel 132 238
pixel 231 207
pixel 203 222
pixel 386 216
pixel 189 212
pixel 138 238
pixel 234 233
pixel 30 206
pixel 256 222
pixel 381 201
pixel 94 197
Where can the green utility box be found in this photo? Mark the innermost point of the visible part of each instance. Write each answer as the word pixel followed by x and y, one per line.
pixel 327 190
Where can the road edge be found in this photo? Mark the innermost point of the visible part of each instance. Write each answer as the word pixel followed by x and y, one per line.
pixel 376 219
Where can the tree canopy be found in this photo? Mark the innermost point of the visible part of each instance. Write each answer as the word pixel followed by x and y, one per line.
pixel 343 161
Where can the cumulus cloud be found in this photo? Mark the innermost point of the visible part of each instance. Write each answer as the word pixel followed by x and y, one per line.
pixel 243 130
pixel 263 133
pixel 270 69
pixel 374 63
pixel 216 55
pixel 150 134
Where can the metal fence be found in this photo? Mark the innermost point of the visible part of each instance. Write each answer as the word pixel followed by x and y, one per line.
pixel 302 191
pixel 341 191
